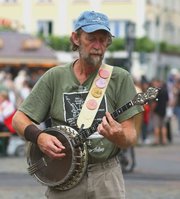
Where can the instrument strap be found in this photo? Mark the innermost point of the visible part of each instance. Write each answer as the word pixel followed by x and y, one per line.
pixel 94 97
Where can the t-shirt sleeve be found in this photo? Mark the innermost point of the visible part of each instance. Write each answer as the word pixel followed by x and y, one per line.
pixel 36 106
pixel 125 94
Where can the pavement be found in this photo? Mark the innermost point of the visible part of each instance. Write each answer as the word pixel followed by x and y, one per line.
pixel 157 172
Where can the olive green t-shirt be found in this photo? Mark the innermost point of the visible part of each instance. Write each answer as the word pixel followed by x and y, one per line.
pixel 59 95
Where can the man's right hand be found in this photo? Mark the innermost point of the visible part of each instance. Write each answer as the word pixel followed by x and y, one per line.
pixel 51 146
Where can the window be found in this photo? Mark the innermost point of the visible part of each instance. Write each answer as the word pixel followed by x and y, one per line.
pixel 45 28
pixel 169 32
pixel 118 28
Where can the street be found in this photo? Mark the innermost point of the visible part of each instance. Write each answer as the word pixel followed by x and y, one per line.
pixel 156 175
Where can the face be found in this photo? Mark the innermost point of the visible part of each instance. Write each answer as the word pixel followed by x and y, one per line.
pixel 92 47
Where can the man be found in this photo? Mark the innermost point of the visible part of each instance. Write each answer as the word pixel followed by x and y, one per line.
pixel 60 93
pixel 159 108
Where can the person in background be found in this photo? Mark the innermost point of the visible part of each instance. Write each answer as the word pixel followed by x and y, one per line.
pixel 7 111
pixel 146 116
pixel 177 102
pixel 25 90
pixel 60 94
pixel 159 113
pixel 145 125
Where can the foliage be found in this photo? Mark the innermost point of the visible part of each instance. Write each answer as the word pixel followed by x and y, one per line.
pixel 117 44
pixel 58 43
pixel 5 28
pixel 144 44
pixel 167 48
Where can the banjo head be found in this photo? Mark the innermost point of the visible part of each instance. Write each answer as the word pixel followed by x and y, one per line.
pixel 54 172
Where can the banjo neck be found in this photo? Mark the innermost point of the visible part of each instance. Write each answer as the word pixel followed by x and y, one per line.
pixel 85 133
pixel 139 99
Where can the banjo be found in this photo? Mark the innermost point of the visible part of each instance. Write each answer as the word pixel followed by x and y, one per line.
pixel 67 172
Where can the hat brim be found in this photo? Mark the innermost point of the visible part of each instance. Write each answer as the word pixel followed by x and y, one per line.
pixel 93 28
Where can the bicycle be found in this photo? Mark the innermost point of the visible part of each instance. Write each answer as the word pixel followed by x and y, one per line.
pixel 127 159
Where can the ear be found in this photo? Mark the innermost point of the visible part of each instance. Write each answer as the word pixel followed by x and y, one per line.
pixel 75 38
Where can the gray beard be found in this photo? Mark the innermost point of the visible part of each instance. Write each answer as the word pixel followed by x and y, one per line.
pixel 94 61
pixel 91 60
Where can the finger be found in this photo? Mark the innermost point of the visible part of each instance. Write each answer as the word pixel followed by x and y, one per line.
pixel 99 128
pixel 54 155
pixel 56 151
pixel 53 152
pixel 57 143
pixel 105 123
pixel 109 118
pixel 103 127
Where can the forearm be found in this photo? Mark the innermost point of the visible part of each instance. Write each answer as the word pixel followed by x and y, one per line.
pixel 127 138
pixel 47 143
pixel 20 122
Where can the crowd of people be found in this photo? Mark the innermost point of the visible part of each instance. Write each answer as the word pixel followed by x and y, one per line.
pixel 156 121
pixel 13 91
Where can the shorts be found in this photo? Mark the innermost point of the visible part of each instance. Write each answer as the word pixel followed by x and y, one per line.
pixel 159 121
pixel 102 180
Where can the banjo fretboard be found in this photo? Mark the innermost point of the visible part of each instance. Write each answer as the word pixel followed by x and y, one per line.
pixel 85 133
pixel 139 99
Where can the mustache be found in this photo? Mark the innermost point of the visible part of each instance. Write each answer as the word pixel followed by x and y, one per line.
pixel 96 52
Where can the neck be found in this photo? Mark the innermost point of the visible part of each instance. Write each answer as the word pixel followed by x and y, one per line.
pixel 82 70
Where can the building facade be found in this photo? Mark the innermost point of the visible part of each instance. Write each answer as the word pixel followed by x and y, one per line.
pixel 157 19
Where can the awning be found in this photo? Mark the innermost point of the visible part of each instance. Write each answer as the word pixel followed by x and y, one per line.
pixel 16 62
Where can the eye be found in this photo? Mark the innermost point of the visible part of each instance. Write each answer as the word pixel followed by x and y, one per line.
pixel 90 38
pixel 103 41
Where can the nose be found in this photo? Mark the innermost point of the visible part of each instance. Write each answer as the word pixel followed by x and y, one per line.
pixel 97 45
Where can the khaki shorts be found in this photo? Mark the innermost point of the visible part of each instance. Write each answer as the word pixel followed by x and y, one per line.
pixel 102 180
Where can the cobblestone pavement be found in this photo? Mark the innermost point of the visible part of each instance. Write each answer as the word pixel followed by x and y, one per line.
pixel 156 176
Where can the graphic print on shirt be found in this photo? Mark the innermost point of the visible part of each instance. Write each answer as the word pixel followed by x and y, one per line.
pixel 72 106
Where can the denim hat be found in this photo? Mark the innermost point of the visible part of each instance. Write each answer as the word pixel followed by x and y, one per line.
pixel 91 21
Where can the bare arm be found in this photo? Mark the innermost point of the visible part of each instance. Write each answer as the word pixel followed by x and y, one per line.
pixel 48 144
pixel 122 134
pixel 20 122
